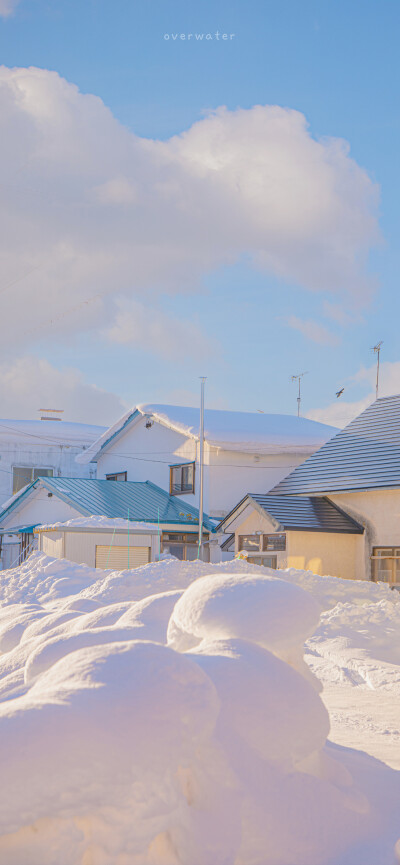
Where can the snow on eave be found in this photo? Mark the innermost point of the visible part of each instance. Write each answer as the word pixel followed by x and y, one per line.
pixel 98 523
pixel 90 454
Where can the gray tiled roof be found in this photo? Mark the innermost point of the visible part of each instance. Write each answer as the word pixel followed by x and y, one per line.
pixel 363 456
pixel 307 514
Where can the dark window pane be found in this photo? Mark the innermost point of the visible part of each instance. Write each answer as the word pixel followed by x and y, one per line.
pixel 42 473
pixel 266 561
pixel 187 478
pixel 176 480
pixel 177 550
pixel 274 542
pixel 21 477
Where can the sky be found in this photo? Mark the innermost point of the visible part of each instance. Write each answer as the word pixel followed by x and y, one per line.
pixel 176 207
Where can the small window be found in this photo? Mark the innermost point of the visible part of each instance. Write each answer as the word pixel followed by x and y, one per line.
pixel 181 479
pixel 251 543
pixel 275 543
pixel 23 475
pixel 386 565
pixel 118 476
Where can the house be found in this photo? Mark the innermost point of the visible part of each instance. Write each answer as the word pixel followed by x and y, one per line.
pixel 294 532
pixel 30 449
pixel 101 543
pixel 49 500
pixel 359 470
pixel 242 451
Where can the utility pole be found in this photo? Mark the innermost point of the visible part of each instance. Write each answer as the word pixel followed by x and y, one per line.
pixel 377 350
pixel 201 496
pixel 298 378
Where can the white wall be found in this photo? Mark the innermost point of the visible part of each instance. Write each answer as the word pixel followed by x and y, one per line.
pixel 233 474
pixel 60 458
pixel 146 454
pixel 40 508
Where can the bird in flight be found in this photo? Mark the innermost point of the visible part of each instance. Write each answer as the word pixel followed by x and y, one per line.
pixel 339 392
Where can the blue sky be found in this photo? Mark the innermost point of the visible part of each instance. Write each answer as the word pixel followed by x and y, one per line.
pixel 336 63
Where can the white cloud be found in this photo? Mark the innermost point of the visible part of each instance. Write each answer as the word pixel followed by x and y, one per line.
pixel 7 7
pixel 313 330
pixel 90 211
pixel 152 330
pixel 340 412
pixel 30 383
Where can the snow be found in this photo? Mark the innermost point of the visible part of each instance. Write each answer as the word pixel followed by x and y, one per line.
pixel 246 432
pixel 165 716
pixel 100 522
pixel 38 432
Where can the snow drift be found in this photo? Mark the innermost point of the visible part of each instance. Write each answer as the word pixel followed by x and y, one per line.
pixel 165 716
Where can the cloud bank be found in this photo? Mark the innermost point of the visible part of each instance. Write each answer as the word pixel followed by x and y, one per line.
pixel 28 384
pixel 93 215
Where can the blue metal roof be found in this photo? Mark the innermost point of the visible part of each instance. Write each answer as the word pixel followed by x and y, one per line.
pixel 309 514
pixel 142 500
pixel 363 456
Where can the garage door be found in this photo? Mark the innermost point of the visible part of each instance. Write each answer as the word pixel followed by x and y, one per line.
pixel 117 558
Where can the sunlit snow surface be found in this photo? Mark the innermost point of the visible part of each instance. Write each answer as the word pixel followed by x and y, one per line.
pixel 166 716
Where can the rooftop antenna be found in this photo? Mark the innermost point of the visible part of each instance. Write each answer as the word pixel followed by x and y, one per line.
pixel 298 378
pixel 377 350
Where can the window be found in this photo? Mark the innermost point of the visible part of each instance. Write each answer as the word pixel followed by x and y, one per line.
pixel 266 561
pixel 118 476
pixel 276 543
pixel 386 565
pixel 183 546
pixel 23 475
pixel 181 479
pixel 250 543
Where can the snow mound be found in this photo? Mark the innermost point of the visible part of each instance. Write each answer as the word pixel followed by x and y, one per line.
pixel 359 645
pixel 263 609
pixel 164 716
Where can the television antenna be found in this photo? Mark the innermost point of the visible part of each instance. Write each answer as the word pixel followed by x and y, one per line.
pixel 298 378
pixel 377 350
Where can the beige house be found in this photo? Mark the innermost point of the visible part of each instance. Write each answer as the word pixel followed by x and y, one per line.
pixel 101 543
pixel 281 532
pixel 359 470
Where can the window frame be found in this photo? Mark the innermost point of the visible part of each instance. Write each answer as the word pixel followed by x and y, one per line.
pixel 391 553
pixel 32 470
pixel 113 477
pixel 182 466
pixel 181 539
pixel 262 549
pixel 259 560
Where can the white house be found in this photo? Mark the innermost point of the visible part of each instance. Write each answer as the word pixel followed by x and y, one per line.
pixel 50 500
pixel 30 449
pixel 243 451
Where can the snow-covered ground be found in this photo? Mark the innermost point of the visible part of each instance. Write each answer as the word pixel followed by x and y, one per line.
pixel 167 716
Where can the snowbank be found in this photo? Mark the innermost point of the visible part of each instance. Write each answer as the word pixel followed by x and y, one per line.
pixel 165 716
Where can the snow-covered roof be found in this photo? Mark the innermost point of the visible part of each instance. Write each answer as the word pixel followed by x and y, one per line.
pixel 49 432
pixel 100 522
pixel 251 432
